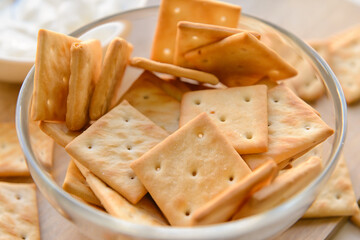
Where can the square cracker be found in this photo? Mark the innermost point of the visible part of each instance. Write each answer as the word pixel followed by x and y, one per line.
pixel 223 206
pixel 345 60
pixel 12 161
pixel 284 187
pixel 18 211
pixel 119 207
pixel 52 73
pixel 202 11
pixel 240 59
pixel 112 71
pixel 153 102
pixel 75 184
pixel 240 112
pixel 294 127
pixel 177 71
pixel 58 132
pixel 190 175
pixel 337 197
pixel 192 35
pixel 110 144
pixel 85 68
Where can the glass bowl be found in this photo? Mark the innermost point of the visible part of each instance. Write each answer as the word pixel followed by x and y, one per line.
pixel 98 225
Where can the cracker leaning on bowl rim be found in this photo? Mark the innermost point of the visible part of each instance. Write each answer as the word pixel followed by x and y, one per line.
pixel 58 132
pixel 110 144
pixel 112 72
pixel 51 77
pixel 154 66
pixel 173 11
pixel 85 65
pixel 240 112
pixel 190 175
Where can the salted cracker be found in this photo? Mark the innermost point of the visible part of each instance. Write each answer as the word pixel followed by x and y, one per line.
pixel 51 77
pixel 240 112
pixel 85 66
pixel 110 144
pixel 75 184
pixel 154 66
pixel 118 206
pixel 58 132
pixel 337 197
pixel 191 35
pixel 149 99
pixel 190 175
pixel 223 206
pixel 18 211
pixel 12 161
pixel 112 72
pixel 240 59
pixel 201 11
pixel 294 127
pixel 345 60
pixel 282 188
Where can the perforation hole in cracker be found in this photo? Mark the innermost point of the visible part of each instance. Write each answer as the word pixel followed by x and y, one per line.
pixel 187 213
pixel 18 197
pixel 231 178
pixel 129 147
pixel 157 167
pixel 89 146
pixel 222 118
pixel 249 135
pixel 247 99
pixel 197 102
pixel 200 135
pixel 194 173
pixel 307 127
pixel 146 97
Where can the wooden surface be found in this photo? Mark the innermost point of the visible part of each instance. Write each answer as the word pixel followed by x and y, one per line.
pixel 314 19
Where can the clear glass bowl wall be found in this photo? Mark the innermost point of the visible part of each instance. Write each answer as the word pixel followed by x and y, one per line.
pixel 98 225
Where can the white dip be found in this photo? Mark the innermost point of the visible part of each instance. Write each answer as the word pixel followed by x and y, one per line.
pixel 20 20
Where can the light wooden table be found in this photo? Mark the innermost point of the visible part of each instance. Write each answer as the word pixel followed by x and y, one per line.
pixel 308 19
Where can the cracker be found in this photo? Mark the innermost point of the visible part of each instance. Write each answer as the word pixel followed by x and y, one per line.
pixel 240 112
pixel 345 60
pixel 172 85
pixel 154 66
pixel 112 72
pixel 18 211
pixel 355 219
pixel 294 127
pixel 42 145
pixel 240 59
pixel 12 161
pixel 224 205
pixel 153 102
pixel 58 132
pixel 85 68
pixel 190 175
pixel 282 188
pixel 308 85
pixel 52 75
pixel 192 35
pixel 118 206
pixel 110 144
pixel 173 11
pixel 337 197
pixel 75 184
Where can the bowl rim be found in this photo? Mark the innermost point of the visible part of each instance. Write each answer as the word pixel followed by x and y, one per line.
pixel 228 229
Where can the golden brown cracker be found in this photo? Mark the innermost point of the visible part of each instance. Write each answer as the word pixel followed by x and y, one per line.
pixel 18 211
pixel 239 60
pixel 190 175
pixel 154 66
pixel 241 113
pixel 58 132
pixel 52 73
pixel 173 11
pixel 85 66
pixel 293 128
pixel 110 144
pixel 112 72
